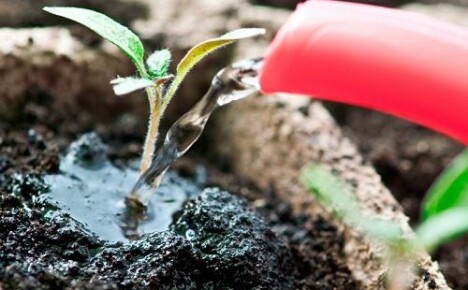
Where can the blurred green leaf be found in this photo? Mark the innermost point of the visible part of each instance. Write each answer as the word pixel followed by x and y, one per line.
pixel 450 190
pixel 331 191
pixel 443 227
pixel 199 51
pixel 158 63
pixel 123 86
pixel 109 29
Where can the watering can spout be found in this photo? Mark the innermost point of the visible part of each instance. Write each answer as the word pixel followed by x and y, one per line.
pixel 397 62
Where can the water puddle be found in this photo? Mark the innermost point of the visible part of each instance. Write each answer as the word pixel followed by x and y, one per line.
pixel 93 192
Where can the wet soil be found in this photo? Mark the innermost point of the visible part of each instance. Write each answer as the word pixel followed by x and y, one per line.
pixel 409 158
pixel 240 238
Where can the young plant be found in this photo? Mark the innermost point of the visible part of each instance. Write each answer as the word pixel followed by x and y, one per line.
pixel 152 75
pixel 445 208
pixel 337 196
pixel 445 211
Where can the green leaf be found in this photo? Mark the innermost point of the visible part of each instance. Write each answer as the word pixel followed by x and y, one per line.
pixel 331 191
pixel 109 29
pixel 128 85
pixel 443 227
pixel 198 52
pixel 450 190
pixel 384 230
pixel 158 63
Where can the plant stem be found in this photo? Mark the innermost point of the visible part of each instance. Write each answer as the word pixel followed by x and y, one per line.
pixel 153 127
pixel 155 104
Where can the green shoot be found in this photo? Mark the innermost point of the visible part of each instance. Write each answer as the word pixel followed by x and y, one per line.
pixel 443 227
pixel 450 189
pixel 445 208
pixel 158 63
pixel 446 213
pixel 153 75
pixel 334 194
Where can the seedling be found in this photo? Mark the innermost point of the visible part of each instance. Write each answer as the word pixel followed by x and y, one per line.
pixel 336 195
pixel 445 208
pixel 445 212
pixel 450 190
pixel 152 75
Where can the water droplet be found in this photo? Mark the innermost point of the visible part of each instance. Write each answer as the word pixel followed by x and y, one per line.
pixel 190 235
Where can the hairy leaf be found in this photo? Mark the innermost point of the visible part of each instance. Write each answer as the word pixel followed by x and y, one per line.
pixel 109 29
pixel 158 63
pixel 198 52
pixel 450 190
pixel 128 85
pixel 329 189
pixel 443 227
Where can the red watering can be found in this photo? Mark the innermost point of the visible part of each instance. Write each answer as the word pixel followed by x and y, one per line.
pixel 389 60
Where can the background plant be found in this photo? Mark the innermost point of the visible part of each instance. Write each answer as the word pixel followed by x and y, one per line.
pixel 152 75
pixel 444 213
pixel 445 209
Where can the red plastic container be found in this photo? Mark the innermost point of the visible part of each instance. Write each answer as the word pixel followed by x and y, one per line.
pixel 397 62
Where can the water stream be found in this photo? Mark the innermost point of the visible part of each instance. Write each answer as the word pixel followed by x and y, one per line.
pixel 234 82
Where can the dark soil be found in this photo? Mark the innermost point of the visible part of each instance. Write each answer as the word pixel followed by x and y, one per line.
pixel 409 158
pixel 249 240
